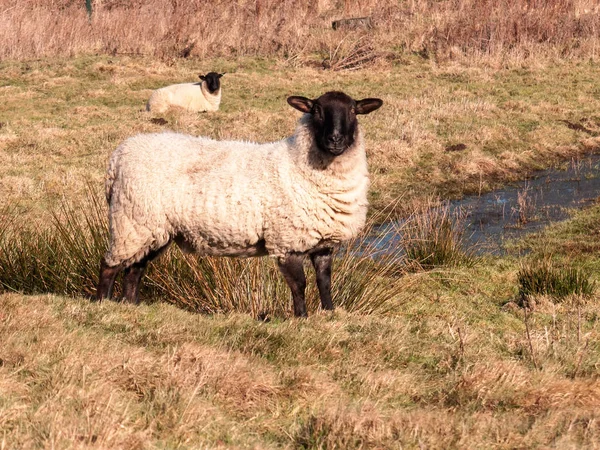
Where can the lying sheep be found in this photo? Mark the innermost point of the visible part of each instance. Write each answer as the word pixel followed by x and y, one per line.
pixel 299 196
pixel 203 96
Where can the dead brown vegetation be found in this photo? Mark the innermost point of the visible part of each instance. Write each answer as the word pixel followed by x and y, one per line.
pixel 300 30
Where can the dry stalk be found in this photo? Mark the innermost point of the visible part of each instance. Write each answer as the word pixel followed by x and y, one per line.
pixel 580 359
pixel 350 55
pixel 578 320
pixel 461 340
pixel 529 340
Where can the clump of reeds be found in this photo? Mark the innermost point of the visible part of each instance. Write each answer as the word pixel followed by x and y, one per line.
pixel 546 278
pixel 433 236
pixel 63 258
pixel 525 206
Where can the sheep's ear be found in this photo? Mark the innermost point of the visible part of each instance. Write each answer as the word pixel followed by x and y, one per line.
pixel 368 105
pixel 221 74
pixel 202 77
pixel 300 103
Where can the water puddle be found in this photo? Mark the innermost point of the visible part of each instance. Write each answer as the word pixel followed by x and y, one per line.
pixel 519 208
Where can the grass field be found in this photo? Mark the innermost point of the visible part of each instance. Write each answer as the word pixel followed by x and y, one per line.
pixel 62 118
pixel 451 357
pixel 454 364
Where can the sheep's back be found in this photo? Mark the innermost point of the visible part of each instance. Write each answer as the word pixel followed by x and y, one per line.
pixel 184 95
pixel 209 192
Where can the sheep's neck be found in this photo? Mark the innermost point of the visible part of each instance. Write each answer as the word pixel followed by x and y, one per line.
pixel 342 181
pixel 313 162
pixel 213 98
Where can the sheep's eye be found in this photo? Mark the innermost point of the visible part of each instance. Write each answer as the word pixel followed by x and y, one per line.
pixel 317 112
pixel 353 110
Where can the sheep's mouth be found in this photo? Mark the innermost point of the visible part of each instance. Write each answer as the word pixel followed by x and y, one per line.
pixel 336 150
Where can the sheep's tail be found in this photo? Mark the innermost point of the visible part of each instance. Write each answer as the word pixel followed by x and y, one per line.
pixel 109 181
pixel 156 103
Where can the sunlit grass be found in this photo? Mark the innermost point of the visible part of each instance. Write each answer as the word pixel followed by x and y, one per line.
pixel 440 358
pixel 300 31
pixel 443 351
pixel 63 118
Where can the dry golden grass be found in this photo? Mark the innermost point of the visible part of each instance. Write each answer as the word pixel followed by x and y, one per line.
pixel 452 362
pixel 300 30
pixel 438 373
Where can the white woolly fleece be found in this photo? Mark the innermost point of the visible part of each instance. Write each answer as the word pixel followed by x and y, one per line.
pixel 191 96
pixel 232 198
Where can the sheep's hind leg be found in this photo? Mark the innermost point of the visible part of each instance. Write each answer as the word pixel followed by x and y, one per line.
pixel 131 282
pixel 106 280
pixel 321 261
pixel 293 271
pixel 133 276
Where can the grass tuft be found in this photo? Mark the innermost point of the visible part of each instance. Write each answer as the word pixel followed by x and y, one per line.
pixel 64 257
pixel 61 258
pixel 544 278
pixel 433 237
pixel 319 432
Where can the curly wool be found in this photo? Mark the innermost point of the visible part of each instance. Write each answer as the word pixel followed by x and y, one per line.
pixel 191 96
pixel 233 198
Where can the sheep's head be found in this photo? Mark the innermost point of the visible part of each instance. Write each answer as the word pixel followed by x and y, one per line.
pixel 213 82
pixel 333 117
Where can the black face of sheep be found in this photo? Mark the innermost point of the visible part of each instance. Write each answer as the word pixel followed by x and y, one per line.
pixel 212 81
pixel 334 118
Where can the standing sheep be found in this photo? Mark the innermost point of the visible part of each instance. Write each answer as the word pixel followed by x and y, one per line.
pixel 203 96
pixel 299 196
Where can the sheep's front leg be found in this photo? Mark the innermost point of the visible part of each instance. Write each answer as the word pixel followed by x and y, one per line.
pixel 133 276
pixel 131 282
pixel 293 271
pixel 106 280
pixel 321 261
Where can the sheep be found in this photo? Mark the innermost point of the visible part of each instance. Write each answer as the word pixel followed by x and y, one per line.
pixel 303 195
pixel 203 96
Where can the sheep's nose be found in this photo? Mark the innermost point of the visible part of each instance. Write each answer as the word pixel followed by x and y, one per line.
pixel 335 138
